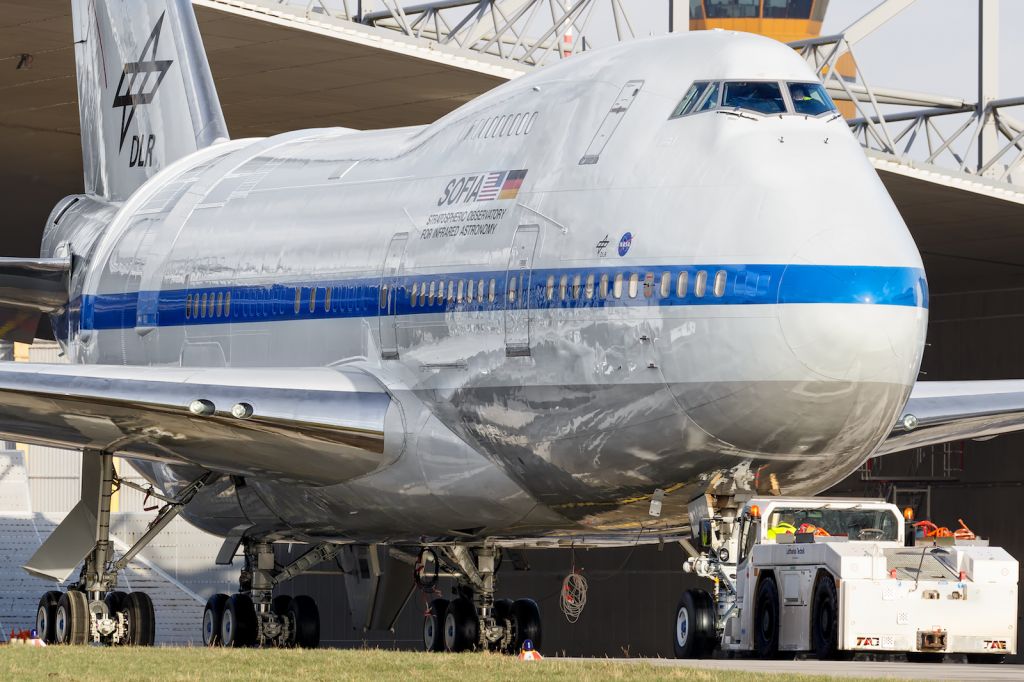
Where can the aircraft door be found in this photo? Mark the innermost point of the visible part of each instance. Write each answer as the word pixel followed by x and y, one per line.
pixel 517 291
pixel 388 295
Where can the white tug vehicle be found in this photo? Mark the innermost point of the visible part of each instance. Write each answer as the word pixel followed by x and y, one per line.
pixel 836 577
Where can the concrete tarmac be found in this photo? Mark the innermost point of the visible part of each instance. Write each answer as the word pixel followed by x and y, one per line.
pixel 840 669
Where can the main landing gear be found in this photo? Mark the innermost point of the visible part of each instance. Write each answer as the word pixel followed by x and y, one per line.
pixel 92 610
pixel 253 616
pixel 473 619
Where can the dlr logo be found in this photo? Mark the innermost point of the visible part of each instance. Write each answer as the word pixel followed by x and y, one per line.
pixel 141 154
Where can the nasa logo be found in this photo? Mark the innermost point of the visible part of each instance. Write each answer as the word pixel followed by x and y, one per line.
pixel 624 243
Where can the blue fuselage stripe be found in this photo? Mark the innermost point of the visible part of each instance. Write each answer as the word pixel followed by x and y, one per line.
pixel 360 297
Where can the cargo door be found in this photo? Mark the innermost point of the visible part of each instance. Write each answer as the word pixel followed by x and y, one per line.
pixel 518 278
pixel 388 295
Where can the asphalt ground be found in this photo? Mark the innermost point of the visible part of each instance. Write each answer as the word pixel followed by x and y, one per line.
pixel 857 669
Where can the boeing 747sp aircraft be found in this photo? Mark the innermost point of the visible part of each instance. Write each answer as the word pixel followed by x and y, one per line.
pixel 554 316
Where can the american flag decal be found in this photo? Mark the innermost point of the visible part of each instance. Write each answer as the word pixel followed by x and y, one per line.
pixel 491 186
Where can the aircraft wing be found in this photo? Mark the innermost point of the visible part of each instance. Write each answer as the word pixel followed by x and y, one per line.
pixel 943 411
pixel 28 288
pixel 317 426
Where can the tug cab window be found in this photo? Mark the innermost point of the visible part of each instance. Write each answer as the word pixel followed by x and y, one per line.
pixel 762 97
pixel 810 99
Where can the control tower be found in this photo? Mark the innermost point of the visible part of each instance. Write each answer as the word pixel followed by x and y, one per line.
pixel 783 20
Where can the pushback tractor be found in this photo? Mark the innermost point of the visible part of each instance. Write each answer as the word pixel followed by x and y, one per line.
pixel 837 577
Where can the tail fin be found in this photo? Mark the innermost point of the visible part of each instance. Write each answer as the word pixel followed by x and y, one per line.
pixel 145 94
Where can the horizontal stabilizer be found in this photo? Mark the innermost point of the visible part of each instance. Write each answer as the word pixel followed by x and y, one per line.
pixel 944 411
pixel 30 287
pixel 314 426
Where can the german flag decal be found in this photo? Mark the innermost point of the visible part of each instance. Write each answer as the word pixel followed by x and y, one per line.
pixel 513 181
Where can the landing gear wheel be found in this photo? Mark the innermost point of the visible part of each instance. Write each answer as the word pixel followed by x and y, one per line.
pixel 461 627
pixel 502 614
pixel 526 622
pixel 212 619
pixel 825 620
pixel 986 658
pixel 71 618
pixel 766 619
pixel 305 617
pixel 45 616
pixel 238 623
pixel 117 602
pixel 433 625
pixel 695 636
pixel 141 620
pixel 279 607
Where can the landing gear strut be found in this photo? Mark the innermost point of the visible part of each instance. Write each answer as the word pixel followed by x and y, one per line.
pixel 253 616
pixel 474 620
pixel 92 610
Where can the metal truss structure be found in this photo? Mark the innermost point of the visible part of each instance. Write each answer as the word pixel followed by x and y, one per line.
pixel 980 138
pixel 531 32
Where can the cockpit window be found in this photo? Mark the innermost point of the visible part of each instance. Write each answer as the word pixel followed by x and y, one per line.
pixel 710 99
pixel 690 99
pixel 810 99
pixel 762 97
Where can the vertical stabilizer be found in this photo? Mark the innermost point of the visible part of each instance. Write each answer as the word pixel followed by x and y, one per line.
pixel 145 94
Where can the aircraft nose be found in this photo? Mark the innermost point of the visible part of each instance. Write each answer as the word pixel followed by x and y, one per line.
pixel 853 322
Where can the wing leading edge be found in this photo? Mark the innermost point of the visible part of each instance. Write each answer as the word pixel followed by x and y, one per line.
pixel 317 426
pixel 943 411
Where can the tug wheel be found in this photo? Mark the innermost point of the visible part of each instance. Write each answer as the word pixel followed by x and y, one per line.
pixel 766 619
pixel 825 619
pixel 695 628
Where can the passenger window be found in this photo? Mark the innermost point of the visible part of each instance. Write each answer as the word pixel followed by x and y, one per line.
pixel 577 290
pixel 327 299
pixel 491 291
pixel 298 299
pixel 617 287
pixel 758 96
pixel 383 298
pixel 202 307
pixel 563 284
pixel 451 291
pixel 649 285
pixel 701 285
pixel 480 291
pixel 589 290
pixel 512 290
pixel 433 292
pixel 602 291
pixel 188 306
pixel 415 290
pixel 666 284
pixel 461 291
pixel 634 285
pixel 312 297
pixel 690 99
pixel 220 304
pixel 549 290
pixel 227 304
pixel 681 285
pixel 440 292
pixel 423 294
pixel 719 288
pixel 810 99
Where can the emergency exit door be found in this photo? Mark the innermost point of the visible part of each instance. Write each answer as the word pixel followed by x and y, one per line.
pixel 388 298
pixel 518 280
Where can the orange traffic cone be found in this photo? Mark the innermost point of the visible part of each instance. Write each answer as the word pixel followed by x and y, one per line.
pixel 528 653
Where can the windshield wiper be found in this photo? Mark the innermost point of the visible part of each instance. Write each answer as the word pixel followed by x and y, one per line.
pixel 734 112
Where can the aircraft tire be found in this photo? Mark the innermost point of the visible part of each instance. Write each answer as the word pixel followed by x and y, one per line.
pixel 306 617
pixel 141 620
pixel 117 602
pixel 238 624
pixel 527 623
pixel 433 625
pixel 461 627
pixel 766 619
pixel 45 614
pixel 212 615
pixel 71 620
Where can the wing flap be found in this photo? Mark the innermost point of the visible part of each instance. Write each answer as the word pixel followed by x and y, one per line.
pixel 316 426
pixel 943 411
